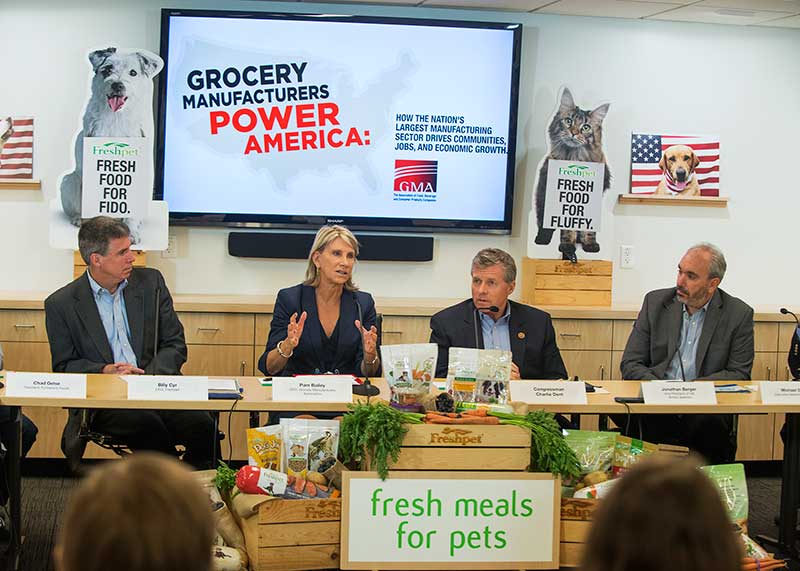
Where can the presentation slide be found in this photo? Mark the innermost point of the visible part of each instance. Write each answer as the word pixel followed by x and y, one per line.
pixel 330 118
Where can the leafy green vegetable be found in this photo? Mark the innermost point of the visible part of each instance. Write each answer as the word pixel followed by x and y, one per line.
pixel 225 479
pixel 374 432
pixel 549 450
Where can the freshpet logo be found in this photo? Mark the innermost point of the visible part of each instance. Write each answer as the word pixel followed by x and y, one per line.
pixel 576 170
pixel 115 148
pixel 415 176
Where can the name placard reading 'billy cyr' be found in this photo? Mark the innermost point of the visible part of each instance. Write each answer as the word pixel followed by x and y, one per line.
pixel 548 392
pixel 780 392
pixel 313 388
pixel 672 392
pixel 117 179
pixel 46 385
pixel 171 388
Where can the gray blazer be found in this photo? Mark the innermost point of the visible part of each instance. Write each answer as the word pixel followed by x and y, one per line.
pixel 725 350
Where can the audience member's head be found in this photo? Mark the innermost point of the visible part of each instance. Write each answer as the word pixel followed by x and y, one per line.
pixel 145 513
pixel 663 515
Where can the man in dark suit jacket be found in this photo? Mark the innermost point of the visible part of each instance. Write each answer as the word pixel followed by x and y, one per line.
pixel 526 331
pixel 694 331
pixel 106 321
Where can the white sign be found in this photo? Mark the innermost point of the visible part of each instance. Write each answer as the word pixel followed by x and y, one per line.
pixel 670 392
pixel 780 392
pixel 46 385
pixel 574 195
pixel 547 392
pixel 313 388
pixel 451 520
pixel 117 177
pixel 147 387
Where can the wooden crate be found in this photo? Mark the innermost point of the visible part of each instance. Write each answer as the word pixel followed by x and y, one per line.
pixel 559 282
pixel 294 535
pixel 79 266
pixel 465 448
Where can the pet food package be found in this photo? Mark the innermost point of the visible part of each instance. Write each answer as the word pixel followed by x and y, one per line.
pixel 309 445
pixel 596 491
pixel 595 450
pixel 409 371
pixel 732 485
pixel 479 375
pixel 255 480
pixel 264 446
pixel 628 451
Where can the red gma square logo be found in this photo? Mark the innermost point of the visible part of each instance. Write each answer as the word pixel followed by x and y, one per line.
pixel 415 176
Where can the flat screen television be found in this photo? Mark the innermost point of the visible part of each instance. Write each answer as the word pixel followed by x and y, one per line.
pixel 297 120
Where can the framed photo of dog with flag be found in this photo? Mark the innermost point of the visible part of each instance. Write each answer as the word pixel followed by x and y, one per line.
pixel 675 165
pixel 16 148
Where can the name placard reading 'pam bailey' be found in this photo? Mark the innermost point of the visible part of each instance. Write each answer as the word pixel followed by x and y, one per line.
pixel 146 387
pixel 450 520
pixel 313 388
pixel 548 392
pixel 780 392
pixel 672 392
pixel 46 385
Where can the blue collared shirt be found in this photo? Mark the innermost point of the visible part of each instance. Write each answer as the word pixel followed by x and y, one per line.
pixel 496 334
pixel 115 320
pixel 691 329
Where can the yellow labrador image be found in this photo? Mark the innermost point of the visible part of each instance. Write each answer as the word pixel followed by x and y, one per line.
pixel 678 164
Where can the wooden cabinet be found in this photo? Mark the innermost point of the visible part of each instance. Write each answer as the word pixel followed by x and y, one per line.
pixel 398 330
pixel 583 334
pixel 22 325
pixel 218 328
pixel 756 431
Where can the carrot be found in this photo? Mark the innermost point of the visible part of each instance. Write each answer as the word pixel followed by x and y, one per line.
pixel 463 420
pixel 762 564
pixel 475 412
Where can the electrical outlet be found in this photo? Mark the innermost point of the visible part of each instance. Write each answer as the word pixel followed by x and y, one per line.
pixel 172 248
pixel 626 257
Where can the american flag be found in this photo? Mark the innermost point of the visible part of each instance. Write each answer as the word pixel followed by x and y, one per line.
pixel 16 158
pixel 646 152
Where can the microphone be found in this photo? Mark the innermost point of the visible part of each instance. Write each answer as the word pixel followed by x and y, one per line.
pixel 367 389
pixel 492 308
pixel 794 347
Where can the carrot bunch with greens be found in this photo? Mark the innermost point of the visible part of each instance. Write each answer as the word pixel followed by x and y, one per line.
pixel 374 431
pixel 750 564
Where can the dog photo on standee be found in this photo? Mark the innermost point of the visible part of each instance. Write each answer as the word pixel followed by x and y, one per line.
pixel 676 165
pixel 113 153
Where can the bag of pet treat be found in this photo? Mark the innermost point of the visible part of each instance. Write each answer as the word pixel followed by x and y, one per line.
pixel 479 375
pixel 264 446
pixel 295 445
pixel 409 371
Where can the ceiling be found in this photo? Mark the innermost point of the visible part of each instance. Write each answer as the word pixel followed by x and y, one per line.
pixel 775 13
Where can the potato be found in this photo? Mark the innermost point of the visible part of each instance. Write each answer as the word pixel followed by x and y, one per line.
pixel 317 478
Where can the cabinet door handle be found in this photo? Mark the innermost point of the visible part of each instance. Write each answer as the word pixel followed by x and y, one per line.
pixel 385 332
pixel 602 372
pixel 769 373
pixel 214 329
pixel 244 364
pixel 24 326
pixel 576 335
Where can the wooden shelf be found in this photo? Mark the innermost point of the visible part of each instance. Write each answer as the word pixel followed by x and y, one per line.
pixel 669 200
pixel 20 184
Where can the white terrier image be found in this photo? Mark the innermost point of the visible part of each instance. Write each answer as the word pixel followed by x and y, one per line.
pixel 120 105
pixel 6 130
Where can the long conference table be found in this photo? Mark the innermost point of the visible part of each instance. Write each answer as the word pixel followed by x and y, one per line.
pixel 110 391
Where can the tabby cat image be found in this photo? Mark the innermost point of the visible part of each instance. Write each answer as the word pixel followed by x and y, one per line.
pixel 575 135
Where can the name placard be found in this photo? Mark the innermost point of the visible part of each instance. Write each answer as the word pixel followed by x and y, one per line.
pixel 168 388
pixel 780 392
pixel 671 392
pixel 312 389
pixel 548 392
pixel 46 385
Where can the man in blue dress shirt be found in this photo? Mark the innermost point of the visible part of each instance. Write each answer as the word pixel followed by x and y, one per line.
pixel 119 320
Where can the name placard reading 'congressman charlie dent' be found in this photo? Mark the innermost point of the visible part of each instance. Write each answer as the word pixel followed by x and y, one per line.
pixel 313 388
pixel 780 392
pixel 46 385
pixel 170 388
pixel 677 392
pixel 574 197
pixel 548 392
pixel 117 179
pixel 450 520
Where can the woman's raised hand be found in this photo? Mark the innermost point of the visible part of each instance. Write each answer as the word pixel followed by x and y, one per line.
pixel 295 330
pixel 369 338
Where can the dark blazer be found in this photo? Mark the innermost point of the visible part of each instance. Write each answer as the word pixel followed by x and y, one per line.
pixel 724 351
pixel 78 342
pixel 306 358
pixel 533 340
